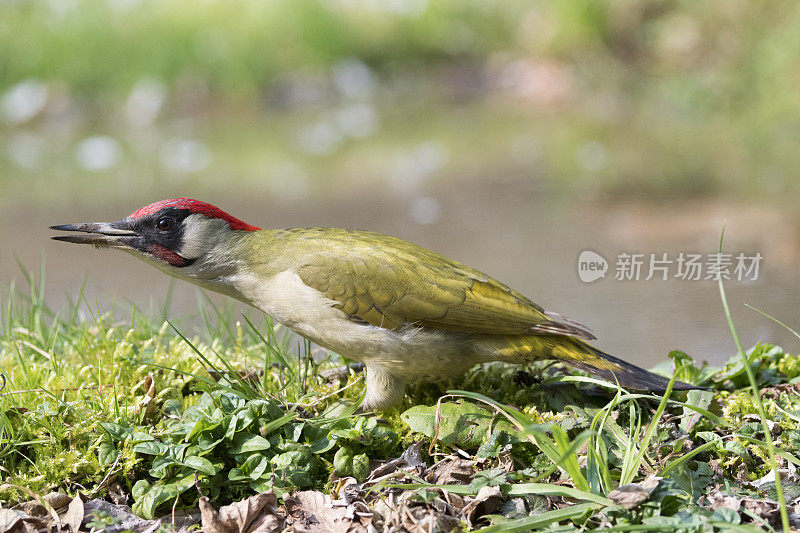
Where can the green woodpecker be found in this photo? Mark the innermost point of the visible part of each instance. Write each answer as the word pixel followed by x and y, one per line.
pixel 409 314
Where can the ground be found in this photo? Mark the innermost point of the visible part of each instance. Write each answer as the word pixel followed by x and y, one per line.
pixel 115 423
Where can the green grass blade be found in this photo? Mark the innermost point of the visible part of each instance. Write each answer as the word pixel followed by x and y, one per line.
pixel 792 331
pixel 548 489
pixel 629 473
pixel 558 449
pixel 246 388
pixel 756 396
pixel 542 520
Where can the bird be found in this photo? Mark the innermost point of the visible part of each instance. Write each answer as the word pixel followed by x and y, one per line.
pixel 408 313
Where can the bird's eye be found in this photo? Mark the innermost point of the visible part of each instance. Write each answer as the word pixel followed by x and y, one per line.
pixel 164 224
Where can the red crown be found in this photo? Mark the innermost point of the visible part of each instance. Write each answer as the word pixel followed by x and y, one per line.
pixel 195 206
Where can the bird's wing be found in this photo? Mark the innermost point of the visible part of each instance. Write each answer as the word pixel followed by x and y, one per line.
pixel 389 282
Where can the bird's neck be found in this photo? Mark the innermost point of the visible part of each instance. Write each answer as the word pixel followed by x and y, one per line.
pixel 223 267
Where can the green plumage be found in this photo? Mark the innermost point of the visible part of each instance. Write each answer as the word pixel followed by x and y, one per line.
pixel 393 284
pixel 389 282
pixel 408 313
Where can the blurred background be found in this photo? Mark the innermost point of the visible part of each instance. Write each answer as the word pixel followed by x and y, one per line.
pixel 508 135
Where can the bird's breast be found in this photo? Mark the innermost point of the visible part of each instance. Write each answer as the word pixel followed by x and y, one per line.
pixel 310 313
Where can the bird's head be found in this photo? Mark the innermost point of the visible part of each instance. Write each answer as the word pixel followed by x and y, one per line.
pixel 186 238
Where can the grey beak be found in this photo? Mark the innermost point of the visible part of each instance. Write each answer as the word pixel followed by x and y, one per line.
pixel 99 233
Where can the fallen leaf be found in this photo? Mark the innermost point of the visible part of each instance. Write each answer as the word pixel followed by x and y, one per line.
pixel 311 512
pixel 422 519
pixel 57 500
pixel 256 514
pixel 12 521
pixel 720 500
pixel 629 496
pixel 33 508
pixel 349 490
pixel 488 500
pixel 74 515
pixel 514 508
pixel 452 470
pixel 767 479
pixel 147 403
pixel 411 459
pixel 125 519
pixel 413 455
pixel 766 509
pixel 634 494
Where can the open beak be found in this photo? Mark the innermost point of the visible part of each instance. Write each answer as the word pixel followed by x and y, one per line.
pixel 117 234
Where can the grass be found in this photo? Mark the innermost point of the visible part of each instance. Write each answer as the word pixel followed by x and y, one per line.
pixel 756 400
pixel 99 405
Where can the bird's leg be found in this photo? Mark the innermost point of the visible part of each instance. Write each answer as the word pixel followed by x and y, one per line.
pixel 383 388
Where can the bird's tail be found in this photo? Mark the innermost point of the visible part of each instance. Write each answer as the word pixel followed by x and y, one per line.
pixel 628 375
pixel 578 353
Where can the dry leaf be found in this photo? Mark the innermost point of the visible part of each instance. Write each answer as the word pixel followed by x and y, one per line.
pixel 767 509
pixel 147 403
pixel 12 521
pixel 74 515
pixel 488 500
pixel 719 500
pixel 413 455
pixel 634 494
pixel 451 471
pixel 125 519
pixel 57 500
pixel 33 508
pixel 256 514
pixel 311 512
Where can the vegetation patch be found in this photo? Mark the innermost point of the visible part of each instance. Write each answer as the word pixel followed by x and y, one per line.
pixel 108 425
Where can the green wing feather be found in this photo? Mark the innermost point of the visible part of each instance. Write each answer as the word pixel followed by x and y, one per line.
pixel 388 282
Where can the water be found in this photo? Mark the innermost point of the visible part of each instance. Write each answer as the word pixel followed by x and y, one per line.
pixel 508 229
